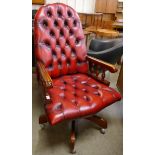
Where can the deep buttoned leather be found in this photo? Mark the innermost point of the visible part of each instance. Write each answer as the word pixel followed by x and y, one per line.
pixel 78 95
pixel 59 45
pixel 59 40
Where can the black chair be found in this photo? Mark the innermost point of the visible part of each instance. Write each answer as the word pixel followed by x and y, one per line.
pixel 109 50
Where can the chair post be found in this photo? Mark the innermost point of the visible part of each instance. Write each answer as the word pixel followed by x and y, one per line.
pixel 72 137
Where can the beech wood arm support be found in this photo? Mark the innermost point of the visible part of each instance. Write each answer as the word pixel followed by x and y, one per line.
pixel 103 64
pixel 45 77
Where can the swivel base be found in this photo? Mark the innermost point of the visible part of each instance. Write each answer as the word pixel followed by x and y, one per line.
pixel 95 119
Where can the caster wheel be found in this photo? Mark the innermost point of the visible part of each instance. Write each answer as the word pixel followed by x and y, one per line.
pixel 102 131
pixel 42 126
pixel 73 151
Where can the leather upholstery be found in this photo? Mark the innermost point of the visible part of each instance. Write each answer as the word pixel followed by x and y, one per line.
pixel 78 95
pixel 59 40
pixel 107 50
pixel 100 45
pixel 59 45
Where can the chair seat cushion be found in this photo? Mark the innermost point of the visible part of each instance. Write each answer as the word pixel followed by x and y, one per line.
pixel 78 95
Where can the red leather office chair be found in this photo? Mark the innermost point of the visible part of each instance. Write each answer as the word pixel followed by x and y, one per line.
pixel 73 83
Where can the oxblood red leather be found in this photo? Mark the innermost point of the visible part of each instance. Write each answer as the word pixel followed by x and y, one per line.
pixel 78 95
pixel 59 40
pixel 59 45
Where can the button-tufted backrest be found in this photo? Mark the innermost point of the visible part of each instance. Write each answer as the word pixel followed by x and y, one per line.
pixel 59 40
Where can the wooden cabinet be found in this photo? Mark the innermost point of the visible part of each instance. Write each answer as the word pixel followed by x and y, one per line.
pixel 111 6
pixel 106 6
pixel 100 6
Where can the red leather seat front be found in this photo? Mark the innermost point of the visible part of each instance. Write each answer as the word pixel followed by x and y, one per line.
pixel 78 95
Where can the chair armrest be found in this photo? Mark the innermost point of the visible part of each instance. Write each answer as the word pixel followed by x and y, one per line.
pixel 45 77
pixel 103 64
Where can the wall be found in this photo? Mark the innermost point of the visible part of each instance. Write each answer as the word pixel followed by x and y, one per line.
pixel 79 5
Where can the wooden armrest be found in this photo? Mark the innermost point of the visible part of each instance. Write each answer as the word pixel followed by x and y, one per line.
pixel 47 81
pixel 104 64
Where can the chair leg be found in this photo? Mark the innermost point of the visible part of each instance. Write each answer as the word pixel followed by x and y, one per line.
pixel 99 121
pixel 42 120
pixel 72 137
